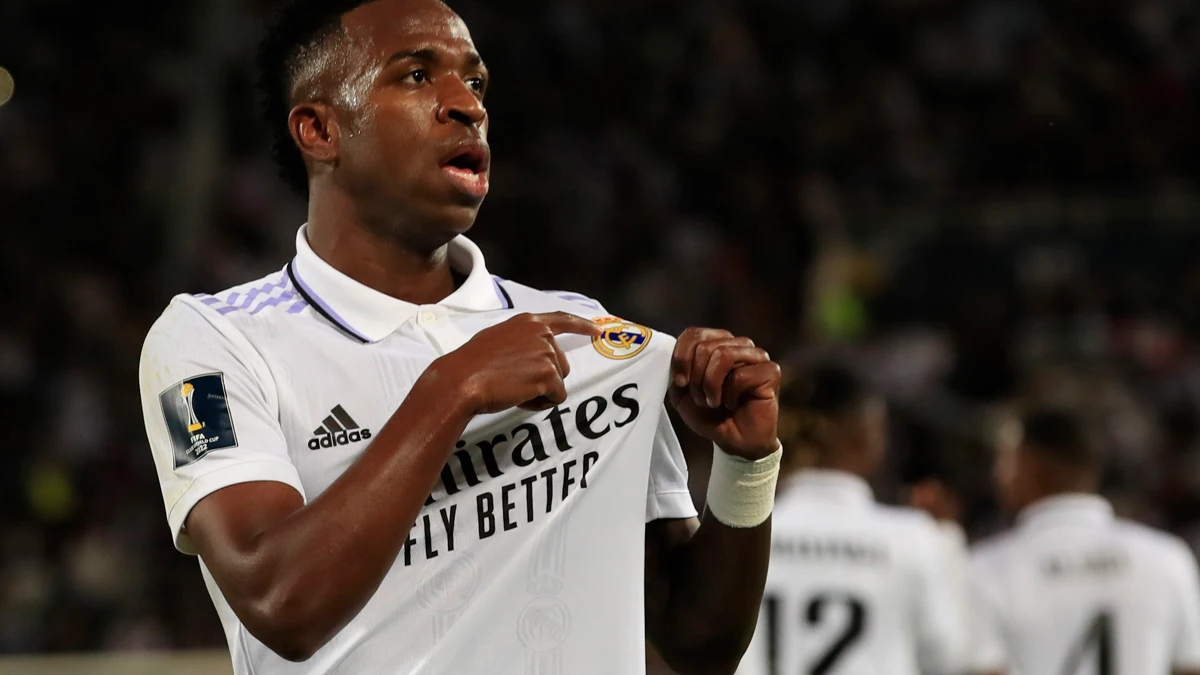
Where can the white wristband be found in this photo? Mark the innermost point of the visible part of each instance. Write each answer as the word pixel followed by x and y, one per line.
pixel 741 492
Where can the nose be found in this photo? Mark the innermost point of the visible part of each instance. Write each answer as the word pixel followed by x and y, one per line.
pixel 461 105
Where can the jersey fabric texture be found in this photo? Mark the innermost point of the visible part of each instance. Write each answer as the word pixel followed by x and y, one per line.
pixel 854 587
pixel 528 556
pixel 1073 589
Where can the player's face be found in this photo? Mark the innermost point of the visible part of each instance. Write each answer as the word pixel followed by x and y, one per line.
pixel 416 147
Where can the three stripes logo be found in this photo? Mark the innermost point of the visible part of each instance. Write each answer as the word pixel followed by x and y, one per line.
pixel 338 428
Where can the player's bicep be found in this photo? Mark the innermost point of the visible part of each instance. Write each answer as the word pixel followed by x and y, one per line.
pixel 663 539
pixel 226 526
pixel 671 520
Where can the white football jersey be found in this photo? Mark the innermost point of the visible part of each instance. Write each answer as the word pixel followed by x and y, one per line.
pixel 528 556
pixel 854 587
pixel 1072 590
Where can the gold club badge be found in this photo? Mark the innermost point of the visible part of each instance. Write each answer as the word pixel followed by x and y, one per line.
pixel 620 339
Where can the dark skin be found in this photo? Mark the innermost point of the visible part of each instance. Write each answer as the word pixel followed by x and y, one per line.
pixel 383 207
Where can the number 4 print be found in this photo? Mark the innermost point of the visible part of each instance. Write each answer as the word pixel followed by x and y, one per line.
pixel 1098 638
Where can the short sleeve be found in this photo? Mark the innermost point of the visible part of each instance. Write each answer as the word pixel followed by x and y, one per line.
pixel 667 494
pixel 210 419
pixel 988 653
pixel 1186 652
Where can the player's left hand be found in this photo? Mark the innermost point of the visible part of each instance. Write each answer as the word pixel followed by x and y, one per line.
pixel 726 390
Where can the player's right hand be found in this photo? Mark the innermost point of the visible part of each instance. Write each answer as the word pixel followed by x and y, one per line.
pixel 515 363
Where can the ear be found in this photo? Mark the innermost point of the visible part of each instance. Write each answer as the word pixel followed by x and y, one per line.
pixel 314 127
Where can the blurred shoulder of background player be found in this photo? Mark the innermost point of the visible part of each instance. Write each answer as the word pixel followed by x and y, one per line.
pixel 854 586
pixel 1073 589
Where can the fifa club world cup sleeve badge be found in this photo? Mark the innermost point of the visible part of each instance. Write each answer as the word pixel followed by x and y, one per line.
pixel 620 339
pixel 197 415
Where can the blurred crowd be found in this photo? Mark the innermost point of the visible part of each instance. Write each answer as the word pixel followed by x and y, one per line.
pixel 981 203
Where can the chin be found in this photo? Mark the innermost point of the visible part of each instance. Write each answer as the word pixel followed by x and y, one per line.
pixel 460 218
pixel 440 224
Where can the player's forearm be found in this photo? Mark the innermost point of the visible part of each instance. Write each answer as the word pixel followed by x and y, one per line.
pixel 321 564
pixel 716 584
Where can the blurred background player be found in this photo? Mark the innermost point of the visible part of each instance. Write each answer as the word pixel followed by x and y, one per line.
pixel 854 586
pixel 1073 590
pixel 931 480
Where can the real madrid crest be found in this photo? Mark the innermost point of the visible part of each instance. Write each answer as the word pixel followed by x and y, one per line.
pixel 620 339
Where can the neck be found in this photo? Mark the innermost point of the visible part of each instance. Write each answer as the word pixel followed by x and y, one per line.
pixel 848 462
pixel 1040 493
pixel 340 234
pixel 1056 481
pixel 1045 494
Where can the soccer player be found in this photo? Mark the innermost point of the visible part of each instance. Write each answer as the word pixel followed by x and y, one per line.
pixel 1072 590
pixel 854 587
pixel 390 461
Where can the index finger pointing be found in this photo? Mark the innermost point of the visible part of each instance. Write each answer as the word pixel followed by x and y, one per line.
pixel 562 322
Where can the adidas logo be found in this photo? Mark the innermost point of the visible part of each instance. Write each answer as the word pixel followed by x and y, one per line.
pixel 338 428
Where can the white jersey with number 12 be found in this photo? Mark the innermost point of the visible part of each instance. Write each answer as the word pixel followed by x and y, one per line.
pixel 854 587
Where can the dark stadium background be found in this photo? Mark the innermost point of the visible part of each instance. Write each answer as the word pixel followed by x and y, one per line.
pixel 980 202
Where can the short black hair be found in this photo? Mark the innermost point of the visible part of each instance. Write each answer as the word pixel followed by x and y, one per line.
pixel 812 397
pixel 292 30
pixel 830 388
pixel 1059 434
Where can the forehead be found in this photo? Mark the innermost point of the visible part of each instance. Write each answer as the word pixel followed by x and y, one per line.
pixel 396 25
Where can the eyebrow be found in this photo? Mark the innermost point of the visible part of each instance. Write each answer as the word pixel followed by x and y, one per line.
pixel 431 56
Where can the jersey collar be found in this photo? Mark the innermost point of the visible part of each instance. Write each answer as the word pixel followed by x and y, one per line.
pixel 831 485
pixel 1067 509
pixel 368 315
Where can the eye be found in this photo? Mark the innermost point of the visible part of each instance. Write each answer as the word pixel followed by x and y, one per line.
pixel 477 84
pixel 417 76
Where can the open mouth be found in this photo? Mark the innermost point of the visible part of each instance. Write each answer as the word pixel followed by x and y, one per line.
pixel 466 167
pixel 473 159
